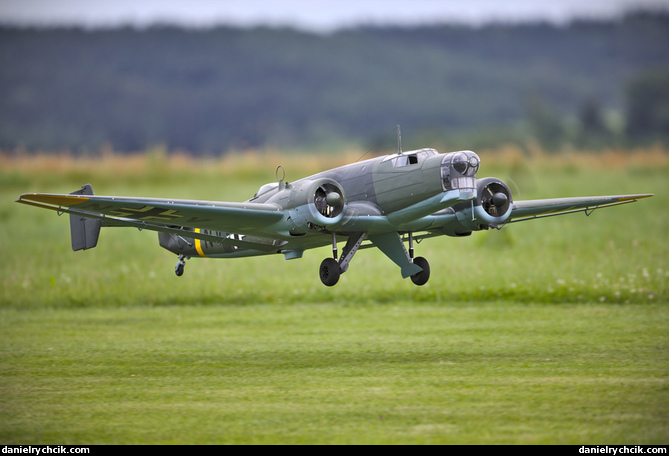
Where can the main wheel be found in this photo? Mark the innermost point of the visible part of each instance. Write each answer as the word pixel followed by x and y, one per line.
pixel 329 272
pixel 423 276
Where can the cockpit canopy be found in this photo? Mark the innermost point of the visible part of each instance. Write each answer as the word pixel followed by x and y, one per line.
pixel 458 170
pixel 413 157
pixel 266 188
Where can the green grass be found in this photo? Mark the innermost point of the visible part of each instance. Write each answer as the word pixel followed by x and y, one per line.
pixel 551 331
pixel 496 372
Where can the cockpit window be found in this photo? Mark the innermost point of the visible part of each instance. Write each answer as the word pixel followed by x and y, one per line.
pixel 409 158
pixel 460 163
pixel 474 164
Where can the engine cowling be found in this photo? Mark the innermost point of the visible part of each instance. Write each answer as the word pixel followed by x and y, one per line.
pixel 492 206
pixel 319 203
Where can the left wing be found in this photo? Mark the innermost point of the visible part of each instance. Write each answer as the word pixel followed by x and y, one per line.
pixel 462 220
pixel 531 209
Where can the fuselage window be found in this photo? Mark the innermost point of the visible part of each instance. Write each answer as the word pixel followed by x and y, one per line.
pixel 404 160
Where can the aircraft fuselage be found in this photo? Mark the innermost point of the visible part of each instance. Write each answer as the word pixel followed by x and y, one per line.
pixel 395 190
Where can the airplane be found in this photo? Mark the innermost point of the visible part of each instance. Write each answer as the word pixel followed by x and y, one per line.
pixel 382 202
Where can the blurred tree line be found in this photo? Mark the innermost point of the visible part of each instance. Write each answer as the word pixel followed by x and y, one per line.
pixel 590 84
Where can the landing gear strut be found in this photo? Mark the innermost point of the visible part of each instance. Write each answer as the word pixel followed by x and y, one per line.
pixel 422 277
pixel 389 243
pixel 181 264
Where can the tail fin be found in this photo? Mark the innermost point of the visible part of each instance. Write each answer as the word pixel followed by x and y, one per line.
pixel 84 231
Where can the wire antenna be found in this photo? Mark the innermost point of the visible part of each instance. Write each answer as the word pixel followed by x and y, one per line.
pixel 378 142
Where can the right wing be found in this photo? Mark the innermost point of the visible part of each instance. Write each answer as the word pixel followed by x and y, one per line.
pixel 213 215
pixel 204 220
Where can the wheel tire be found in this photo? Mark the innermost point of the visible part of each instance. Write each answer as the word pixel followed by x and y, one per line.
pixel 329 272
pixel 422 277
pixel 179 271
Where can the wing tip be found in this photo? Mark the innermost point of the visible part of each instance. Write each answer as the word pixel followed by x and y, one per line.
pixel 635 197
pixel 54 199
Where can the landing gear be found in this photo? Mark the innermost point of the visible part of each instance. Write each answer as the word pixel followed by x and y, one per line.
pixel 391 244
pixel 422 277
pixel 181 264
pixel 331 269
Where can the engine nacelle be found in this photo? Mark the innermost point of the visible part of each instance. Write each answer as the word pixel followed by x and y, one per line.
pixel 491 208
pixel 317 204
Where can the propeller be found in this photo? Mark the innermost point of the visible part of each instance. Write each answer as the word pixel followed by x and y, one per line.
pixel 328 201
pixel 494 199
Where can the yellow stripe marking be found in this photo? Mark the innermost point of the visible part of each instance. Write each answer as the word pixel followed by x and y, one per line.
pixel 59 200
pixel 198 245
pixel 634 197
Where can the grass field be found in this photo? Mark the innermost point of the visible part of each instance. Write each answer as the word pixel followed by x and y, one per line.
pixel 552 331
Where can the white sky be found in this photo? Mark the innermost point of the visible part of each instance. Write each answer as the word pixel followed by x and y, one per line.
pixel 317 15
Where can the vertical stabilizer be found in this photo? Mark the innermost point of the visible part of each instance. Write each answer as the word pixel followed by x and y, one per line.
pixel 84 231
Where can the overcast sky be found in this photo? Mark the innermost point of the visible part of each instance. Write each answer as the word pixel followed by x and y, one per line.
pixel 317 15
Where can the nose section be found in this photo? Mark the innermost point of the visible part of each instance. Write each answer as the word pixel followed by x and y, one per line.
pixel 465 163
pixel 458 172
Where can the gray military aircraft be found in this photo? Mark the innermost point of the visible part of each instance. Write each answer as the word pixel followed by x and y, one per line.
pixel 384 202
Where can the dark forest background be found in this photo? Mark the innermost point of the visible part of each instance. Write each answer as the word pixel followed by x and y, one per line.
pixel 589 84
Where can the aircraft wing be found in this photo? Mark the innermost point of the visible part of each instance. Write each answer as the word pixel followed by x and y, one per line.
pixel 531 209
pixel 242 218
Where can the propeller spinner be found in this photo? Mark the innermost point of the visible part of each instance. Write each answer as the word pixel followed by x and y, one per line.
pixel 328 200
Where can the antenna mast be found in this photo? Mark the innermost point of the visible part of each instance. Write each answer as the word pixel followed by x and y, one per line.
pixel 399 141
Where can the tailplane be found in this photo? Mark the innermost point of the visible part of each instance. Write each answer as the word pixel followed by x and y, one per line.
pixel 84 231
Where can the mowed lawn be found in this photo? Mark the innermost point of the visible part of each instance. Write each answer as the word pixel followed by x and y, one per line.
pixel 552 331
